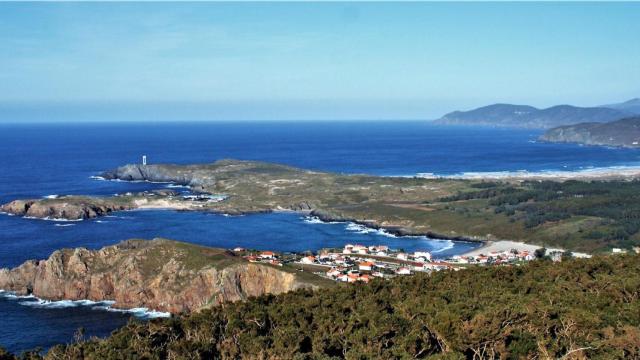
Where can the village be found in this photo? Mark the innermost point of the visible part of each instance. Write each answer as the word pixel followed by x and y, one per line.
pixel 360 263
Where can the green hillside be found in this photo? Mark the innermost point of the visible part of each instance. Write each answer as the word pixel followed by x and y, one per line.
pixel 574 309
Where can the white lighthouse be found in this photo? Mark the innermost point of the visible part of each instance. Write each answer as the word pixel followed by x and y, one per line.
pixel 144 159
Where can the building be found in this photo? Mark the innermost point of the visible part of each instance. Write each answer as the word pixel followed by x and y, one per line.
pixel 422 254
pixel 308 260
pixel 366 266
pixel 403 271
pixel 436 266
pixel 267 255
pixel 334 272
pixel 360 249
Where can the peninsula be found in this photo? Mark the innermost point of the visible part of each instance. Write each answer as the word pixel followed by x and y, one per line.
pixel 525 116
pixel 620 133
pixel 558 214
pixel 158 274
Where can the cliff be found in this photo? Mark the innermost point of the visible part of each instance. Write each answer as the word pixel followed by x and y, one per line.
pixel 576 309
pixel 524 116
pixel 622 133
pixel 75 207
pixel 159 274
pixel 67 208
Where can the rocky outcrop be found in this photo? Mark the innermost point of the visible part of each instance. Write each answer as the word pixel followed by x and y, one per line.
pixel 153 173
pixel 66 208
pixel 621 133
pixel 159 274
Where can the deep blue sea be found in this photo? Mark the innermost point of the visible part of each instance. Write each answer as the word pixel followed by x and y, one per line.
pixel 40 160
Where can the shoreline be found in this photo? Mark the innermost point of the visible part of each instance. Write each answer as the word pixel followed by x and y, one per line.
pixel 507 245
pixel 33 301
pixel 620 172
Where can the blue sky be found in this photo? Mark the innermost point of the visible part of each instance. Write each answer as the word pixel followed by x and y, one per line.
pixel 214 61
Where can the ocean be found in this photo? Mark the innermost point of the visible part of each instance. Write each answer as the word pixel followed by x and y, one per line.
pixel 39 160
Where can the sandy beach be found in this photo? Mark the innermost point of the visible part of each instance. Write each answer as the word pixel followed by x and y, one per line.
pixel 504 245
pixel 606 173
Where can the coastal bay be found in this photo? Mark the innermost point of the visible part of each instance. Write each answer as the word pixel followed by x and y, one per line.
pixel 69 157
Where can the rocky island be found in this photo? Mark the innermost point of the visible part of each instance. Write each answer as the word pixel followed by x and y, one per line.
pixel 158 274
pixel 620 133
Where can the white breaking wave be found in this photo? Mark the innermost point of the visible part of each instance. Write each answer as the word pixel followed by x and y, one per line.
pixel 363 229
pixel 171 186
pixel 134 181
pixel 54 196
pixel 63 304
pixel 313 220
pixel 105 305
pixel 230 215
pixel 142 313
pixel 51 219
pixel 64 225
pixel 316 220
pixel 450 245
pixel 12 296
pixel 359 228
pixel 588 172
pixel 101 221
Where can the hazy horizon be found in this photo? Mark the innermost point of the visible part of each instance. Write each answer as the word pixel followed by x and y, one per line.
pixel 303 61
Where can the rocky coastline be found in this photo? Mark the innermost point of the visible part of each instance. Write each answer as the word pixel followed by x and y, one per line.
pixel 624 133
pixel 158 274
pixel 70 209
pixel 392 230
pixel 251 187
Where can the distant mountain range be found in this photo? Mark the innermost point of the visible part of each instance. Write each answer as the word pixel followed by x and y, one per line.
pixel 524 116
pixel 631 106
pixel 622 133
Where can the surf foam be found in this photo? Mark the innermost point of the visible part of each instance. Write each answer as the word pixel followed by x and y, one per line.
pixel 587 172
pixel 105 305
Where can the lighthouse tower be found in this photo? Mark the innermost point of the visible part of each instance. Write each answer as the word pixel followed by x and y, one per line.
pixel 144 159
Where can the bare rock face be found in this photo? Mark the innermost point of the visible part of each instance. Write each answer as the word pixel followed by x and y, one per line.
pixel 155 173
pixel 159 274
pixel 68 208
pixel 17 207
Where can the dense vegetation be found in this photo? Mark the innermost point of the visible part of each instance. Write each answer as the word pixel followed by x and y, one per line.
pixel 574 309
pixel 616 204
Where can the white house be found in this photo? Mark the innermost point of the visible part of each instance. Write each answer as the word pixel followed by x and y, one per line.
pixel 422 254
pixel 366 266
pixel 435 266
pixel 308 260
pixel 403 271
pixel 267 255
pixel 334 272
